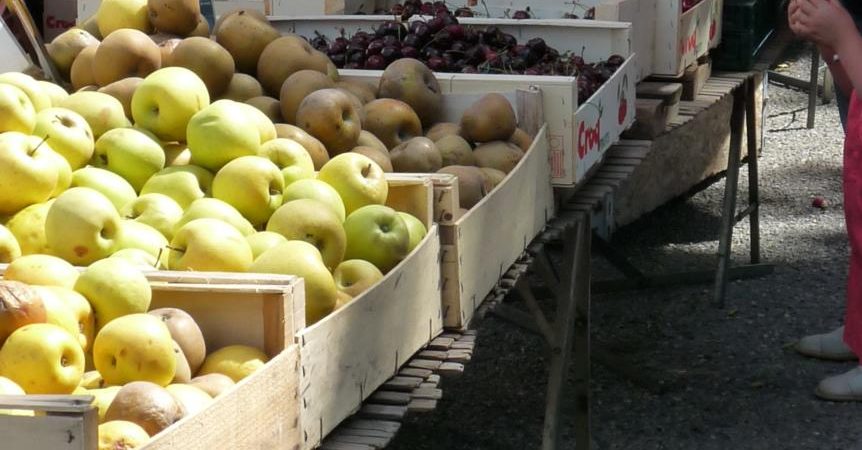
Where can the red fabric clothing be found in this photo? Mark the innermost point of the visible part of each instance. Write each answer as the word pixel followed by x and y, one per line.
pixel 853 219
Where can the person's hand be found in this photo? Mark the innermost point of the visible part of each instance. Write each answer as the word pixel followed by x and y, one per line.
pixel 792 10
pixel 825 22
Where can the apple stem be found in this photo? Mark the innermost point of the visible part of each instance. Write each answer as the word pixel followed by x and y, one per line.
pixel 40 144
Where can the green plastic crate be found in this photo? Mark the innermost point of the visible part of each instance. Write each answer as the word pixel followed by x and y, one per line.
pixel 738 50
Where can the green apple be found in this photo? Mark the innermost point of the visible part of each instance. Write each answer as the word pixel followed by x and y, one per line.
pixel 100 110
pixel 55 92
pixel 80 309
pixel 167 99
pixel 82 226
pixel 134 234
pixel 156 210
pixel 299 258
pixel 130 154
pixel 355 276
pixel 316 190
pixel 311 221
pixel 57 312
pixel 222 132
pixel 252 185
pixel 68 133
pixel 135 347
pixel 42 358
pixel 114 187
pixel 358 180
pixel 28 226
pixel 115 288
pixel 184 184
pixel 38 97
pixel 378 235
pixel 265 127
pixel 9 247
pixel 16 110
pixel 113 15
pixel 140 258
pixel 262 241
pixel 28 171
pixel 415 228
pixel 213 208
pixel 209 245
pixel 291 157
pixel 43 270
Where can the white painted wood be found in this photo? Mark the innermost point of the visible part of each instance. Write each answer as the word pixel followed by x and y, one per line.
pixel 681 38
pixel 14 59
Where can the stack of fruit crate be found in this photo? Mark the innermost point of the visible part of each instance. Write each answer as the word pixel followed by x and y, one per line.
pixel 747 26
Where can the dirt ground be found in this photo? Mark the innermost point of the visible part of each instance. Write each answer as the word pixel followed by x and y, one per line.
pixel 687 375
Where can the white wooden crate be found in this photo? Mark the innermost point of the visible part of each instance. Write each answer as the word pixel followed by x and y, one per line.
pixel 681 38
pixel 578 135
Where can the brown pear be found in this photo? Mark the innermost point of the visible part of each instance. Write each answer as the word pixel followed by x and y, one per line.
pixel 81 74
pixel 491 118
pixel 500 155
pixel 296 87
pixel 412 82
pixel 287 55
pixel 65 47
pixel 182 373
pixel 212 383
pixel 417 155
pixel 245 36
pixel 357 103
pixel 90 25
pixel 147 404
pixel 329 115
pixel 493 177
pixel 186 333
pixel 471 184
pixel 367 139
pixel 179 17
pixel 381 157
pixel 125 53
pixel 202 29
pixel 19 305
pixel 242 87
pixel 521 139
pixel 440 129
pixel 312 145
pixel 167 47
pixel 455 151
pixel 365 91
pixel 123 90
pixel 271 107
pixel 250 12
pixel 392 121
pixel 209 60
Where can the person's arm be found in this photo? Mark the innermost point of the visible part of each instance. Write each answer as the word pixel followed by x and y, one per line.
pixel 839 76
pixel 830 26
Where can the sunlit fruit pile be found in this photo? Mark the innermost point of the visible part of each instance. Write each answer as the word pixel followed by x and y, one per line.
pixel 93 333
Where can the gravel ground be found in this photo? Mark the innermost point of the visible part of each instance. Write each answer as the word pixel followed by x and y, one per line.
pixel 704 378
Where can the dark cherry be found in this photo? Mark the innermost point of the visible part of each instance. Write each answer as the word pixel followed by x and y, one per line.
pixel 436 64
pixel 409 52
pixel 390 53
pixel 411 40
pixel 616 60
pixel 456 32
pixel 374 47
pixel 521 15
pixel 464 12
pixel 375 62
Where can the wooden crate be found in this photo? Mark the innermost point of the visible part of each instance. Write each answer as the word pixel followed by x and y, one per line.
pixel 261 411
pixel 353 351
pixel 681 38
pixel 578 135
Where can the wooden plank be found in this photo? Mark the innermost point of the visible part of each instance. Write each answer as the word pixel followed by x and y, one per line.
pixel 390 398
pixel 451 369
pixel 380 425
pixel 468 338
pixel 433 394
pixel 415 372
pixel 421 405
pixel 383 412
pixel 429 385
pixel 464 346
pixel 431 354
pixel 441 343
pixel 344 446
pixel 460 356
pixel 403 384
pixel 373 441
pixel 429 364
pixel 363 432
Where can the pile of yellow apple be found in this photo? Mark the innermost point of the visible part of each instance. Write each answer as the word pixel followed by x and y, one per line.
pixel 92 333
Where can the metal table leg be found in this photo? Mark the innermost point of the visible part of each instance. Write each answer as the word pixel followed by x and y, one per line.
pixel 812 86
pixel 730 189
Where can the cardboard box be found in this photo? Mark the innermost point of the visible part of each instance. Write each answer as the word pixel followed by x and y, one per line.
pixel 57 17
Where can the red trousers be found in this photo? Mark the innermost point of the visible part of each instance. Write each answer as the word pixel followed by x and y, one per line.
pixel 853 218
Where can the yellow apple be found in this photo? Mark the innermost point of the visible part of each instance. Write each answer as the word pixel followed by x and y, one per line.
pixel 114 187
pixel 135 347
pixel 377 234
pixel 291 158
pixel 38 97
pixel 57 312
pixel 221 132
pixel 184 184
pixel 141 236
pixel 167 99
pixel 156 210
pixel 9 387
pixel 311 221
pixel 101 111
pixel 265 127
pixel 64 174
pixel 131 154
pixel 28 227
pixel 316 190
pixel 113 15
pixel 252 185
pixel 193 399
pixel 139 258
pixel 28 171
pixel 80 309
pixel 177 154
pixel 45 270
pixel 9 247
pixel 355 276
pixel 302 259
pixel 209 245
pixel 43 359
pixel 16 110
pixel 415 229
pixel 115 288
pixel 235 361
pixel 102 399
pixel 92 379
pixel 68 133
pixel 121 435
pixel 262 241
pixel 82 226
pixel 358 180
pixel 55 92
pixel 213 208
